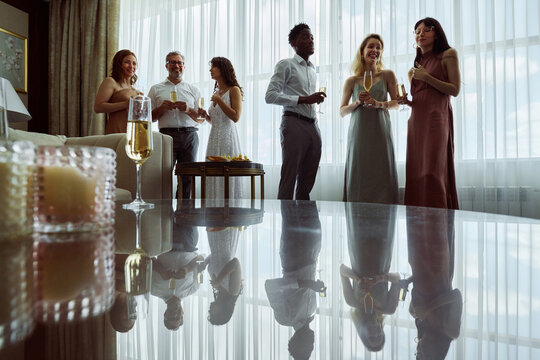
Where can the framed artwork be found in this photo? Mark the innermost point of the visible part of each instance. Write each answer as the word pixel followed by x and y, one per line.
pixel 14 59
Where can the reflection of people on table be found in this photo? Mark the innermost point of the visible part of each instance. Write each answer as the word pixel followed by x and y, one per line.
pixel 435 305
pixel 174 275
pixel 119 316
pixel 225 273
pixel 293 296
pixel 365 283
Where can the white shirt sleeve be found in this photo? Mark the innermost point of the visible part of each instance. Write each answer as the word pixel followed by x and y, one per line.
pixel 274 93
pixel 152 96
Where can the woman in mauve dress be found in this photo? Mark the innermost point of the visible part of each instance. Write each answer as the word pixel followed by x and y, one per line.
pixel 430 176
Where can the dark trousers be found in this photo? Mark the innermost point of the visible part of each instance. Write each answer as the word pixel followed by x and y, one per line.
pixel 301 152
pixel 185 146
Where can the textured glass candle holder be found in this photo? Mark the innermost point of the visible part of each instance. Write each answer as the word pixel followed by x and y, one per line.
pixel 74 188
pixel 16 290
pixel 17 166
pixel 74 274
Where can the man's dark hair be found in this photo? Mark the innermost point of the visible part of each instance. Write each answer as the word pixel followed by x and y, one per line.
pixel 295 31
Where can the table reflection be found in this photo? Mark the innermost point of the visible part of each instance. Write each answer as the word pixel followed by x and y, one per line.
pixel 74 277
pixel 16 290
pixel 225 272
pixel 269 266
pixel 175 274
pixel 370 239
pixel 293 296
pixel 435 305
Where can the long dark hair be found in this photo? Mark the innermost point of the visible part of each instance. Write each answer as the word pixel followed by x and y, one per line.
pixel 227 71
pixel 440 43
pixel 222 308
pixel 116 72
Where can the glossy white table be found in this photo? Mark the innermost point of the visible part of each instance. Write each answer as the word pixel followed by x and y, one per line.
pixel 491 259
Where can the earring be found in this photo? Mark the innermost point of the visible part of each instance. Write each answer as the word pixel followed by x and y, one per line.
pixel 415 46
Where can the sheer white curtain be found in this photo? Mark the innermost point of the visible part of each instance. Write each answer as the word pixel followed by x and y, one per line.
pixel 497 113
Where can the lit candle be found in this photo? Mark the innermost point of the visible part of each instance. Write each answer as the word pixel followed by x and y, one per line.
pixel 66 194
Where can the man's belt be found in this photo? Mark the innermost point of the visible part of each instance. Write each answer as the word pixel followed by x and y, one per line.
pixel 180 129
pixel 301 117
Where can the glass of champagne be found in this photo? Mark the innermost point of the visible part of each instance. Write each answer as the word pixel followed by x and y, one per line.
pixel 139 142
pixel 201 106
pixel 368 81
pixel 401 92
pixel 322 88
pixel 138 274
pixel 173 96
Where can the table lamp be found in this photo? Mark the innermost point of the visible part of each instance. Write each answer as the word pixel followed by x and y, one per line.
pixel 12 108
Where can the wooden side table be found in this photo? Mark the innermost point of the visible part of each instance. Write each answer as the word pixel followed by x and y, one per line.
pixel 215 168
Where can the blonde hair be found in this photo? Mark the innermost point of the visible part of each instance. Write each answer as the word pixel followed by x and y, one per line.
pixel 357 66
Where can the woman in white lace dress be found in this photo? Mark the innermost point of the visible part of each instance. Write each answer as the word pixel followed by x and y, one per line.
pixel 223 114
pixel 225 273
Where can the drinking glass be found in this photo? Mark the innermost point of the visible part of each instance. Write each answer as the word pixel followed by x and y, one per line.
pixel 401 92
pixel 201 106
pixel 322 88
pixel 139 142
pixel 368 81
pixel 138 274
pixel 174 98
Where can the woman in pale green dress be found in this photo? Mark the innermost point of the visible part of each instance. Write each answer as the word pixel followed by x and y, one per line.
pixel 370 168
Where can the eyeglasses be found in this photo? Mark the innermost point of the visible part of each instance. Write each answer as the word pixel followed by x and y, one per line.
pixel 425 30
pixel 173 63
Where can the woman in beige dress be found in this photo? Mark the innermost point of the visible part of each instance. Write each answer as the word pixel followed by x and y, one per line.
pixel 115 90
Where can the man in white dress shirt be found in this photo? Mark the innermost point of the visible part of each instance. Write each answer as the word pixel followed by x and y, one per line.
pixel 177 117
pixel 293 296
pixel 293 86
pixel 175 274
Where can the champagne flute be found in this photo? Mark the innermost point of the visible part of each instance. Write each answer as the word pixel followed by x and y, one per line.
pixel 138 275
pixel 401 92
pixel 174 98
pixel 139 142
pixel 201 106
pixel 368 81
pixel 322 88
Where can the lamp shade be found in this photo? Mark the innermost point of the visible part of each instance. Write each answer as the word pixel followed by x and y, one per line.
pixel 16 111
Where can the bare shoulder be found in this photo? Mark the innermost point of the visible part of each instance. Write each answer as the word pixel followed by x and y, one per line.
pixel 110 83
pixel 351 79
pixel 450 53
pixel 388 74
pixel 235 92
pixel 349 83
